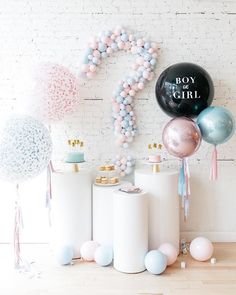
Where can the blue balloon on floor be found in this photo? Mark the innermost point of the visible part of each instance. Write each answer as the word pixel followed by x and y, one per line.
pixel 64 255
pixel 155 262
pixel 103 255
pixel 217 125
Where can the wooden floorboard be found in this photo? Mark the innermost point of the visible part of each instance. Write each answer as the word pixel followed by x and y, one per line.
pixel 199 278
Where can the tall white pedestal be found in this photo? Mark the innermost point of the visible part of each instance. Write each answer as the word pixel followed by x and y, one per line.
pixel 71 209
pixel 162 188
pixel 130 231
pixel 103 213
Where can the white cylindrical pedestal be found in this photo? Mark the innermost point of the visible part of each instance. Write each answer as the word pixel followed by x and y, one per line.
pixel 103 213
pixel 162 188
pixel 71 209
pixel 130 231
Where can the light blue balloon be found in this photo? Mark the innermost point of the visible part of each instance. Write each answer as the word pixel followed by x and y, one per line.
pixel 114 46
pixel 147 45
pixel 153 61
pixel 119 99
pixel 123 113
pixel 147 57
pixel 124 37
pixel 217 125
pixel 104 54
pixel 155 262
pixel 102 47
pixel 103 255
pixel 64 255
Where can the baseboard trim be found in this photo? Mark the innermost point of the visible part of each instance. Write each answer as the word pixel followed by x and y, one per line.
pixel 213 236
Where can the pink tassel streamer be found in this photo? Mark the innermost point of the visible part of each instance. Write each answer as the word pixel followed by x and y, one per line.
pixel 214 168
pixel 187 186
pixel 17 226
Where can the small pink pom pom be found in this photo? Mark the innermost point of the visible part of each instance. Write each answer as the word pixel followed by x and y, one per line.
pixel 131 38
pixel 150 50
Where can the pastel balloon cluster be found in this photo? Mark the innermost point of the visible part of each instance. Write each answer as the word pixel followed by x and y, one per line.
pixel 156 261
pixel 101 254
pixel 104 45
pixel 124 164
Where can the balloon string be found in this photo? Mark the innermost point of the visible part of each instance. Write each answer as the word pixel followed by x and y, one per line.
pixel 214 168
pixel 49 192
pixel 17 226
pixel 184 187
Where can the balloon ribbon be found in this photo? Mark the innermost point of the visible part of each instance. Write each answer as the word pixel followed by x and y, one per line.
pixel 17 226
pixel 50 169
pixel 214 168
pixel 184 186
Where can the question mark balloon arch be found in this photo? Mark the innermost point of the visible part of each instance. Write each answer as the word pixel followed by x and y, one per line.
pixel 184 89
pixel 25 148
pixel 217 126
pixel 105 45
pixel 182 138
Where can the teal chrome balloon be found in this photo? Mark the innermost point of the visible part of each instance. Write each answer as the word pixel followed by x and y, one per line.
pixel 217 125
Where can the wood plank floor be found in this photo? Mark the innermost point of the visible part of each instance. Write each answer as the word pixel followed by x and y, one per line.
pixel 46 277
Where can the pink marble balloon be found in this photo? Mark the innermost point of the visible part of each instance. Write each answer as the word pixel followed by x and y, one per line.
pixel 181 137
pixel 170 251
pixel 201 249
pixel 88 249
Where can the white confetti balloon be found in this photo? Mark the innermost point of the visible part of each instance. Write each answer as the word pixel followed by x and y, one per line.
pixel 25 148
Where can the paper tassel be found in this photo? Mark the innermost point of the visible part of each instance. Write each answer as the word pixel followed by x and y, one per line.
pixel 184 186
pixel 17 226
pixel 49 191
pixel 214 168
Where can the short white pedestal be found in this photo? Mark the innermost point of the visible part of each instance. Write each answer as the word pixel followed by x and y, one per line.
pixel 162 188
pixel 130 231
pixel 71 209
pixel 103 213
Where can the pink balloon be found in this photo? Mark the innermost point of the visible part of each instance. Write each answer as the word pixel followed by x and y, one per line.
pixel 88 249
pixel 170 251
pixel 54 93
pixel 201 249
pixel 181 137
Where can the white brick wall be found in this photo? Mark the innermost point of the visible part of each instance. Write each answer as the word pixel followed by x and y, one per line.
pixel 197 31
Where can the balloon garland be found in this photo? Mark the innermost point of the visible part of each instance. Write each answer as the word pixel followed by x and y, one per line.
pixel 123 100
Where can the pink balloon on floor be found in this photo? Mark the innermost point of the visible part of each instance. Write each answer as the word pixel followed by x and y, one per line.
pixel 201 249
pixel 170 251
pixel 88 249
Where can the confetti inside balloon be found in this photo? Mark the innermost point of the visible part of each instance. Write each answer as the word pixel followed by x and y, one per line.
pixel 53 94
pixel 25 148
pixel 124 120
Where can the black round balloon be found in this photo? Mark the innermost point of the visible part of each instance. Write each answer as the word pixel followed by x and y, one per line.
pixel 184 89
